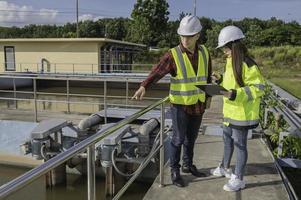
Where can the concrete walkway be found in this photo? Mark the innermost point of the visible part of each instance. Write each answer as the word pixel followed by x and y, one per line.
pixel 263 181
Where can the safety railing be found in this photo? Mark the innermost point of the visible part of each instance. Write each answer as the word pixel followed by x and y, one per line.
pixel 294 128
pixel 79 68
pixel 89 145
pixel 35 100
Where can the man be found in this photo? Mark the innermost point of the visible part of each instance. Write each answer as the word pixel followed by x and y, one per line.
pixel 188 64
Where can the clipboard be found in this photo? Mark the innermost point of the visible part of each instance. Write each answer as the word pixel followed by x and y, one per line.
pixel 212 89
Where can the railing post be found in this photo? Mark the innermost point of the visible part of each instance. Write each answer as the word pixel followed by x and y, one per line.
pixel 55 68
pixel 92 70
pixel 68 96
pixel 15 94
pixel 37 67
pixel 91 172
pixel 35 99
pixel 162 145
pixel 105 99
pixel 265 122
pixel 280 142
pixel 127 93
pixel 73 69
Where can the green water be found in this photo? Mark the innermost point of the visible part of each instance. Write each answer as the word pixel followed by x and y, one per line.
pixel 75 188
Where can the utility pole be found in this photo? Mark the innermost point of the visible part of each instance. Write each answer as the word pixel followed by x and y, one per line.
pixel 194 7
pixel 77 30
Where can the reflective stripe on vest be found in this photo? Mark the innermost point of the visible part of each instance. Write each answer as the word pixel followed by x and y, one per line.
pixel 242 123
pixel 182 87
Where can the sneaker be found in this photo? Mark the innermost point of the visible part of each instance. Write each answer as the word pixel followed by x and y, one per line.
pixel 234 184
pixel 221 171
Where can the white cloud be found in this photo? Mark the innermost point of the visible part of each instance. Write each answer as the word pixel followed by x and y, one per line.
pixel 85 17
pixel 16 15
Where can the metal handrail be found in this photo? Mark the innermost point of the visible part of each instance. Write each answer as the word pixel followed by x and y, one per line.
pixel 28 177
pixel 35 93
pixel 91 68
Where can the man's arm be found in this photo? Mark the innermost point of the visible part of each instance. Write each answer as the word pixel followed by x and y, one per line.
pixel 165 66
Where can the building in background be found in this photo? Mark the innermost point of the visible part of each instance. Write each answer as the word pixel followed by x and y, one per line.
pixel 67 55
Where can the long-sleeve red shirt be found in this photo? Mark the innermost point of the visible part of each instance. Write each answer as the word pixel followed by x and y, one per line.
pixel 167 65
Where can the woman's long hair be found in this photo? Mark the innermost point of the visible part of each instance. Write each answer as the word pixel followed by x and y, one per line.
pixel 239 53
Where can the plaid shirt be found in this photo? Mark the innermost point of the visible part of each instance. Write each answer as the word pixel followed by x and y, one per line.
pixel 168 65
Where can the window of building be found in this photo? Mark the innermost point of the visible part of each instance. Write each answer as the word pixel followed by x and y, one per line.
pixel 9 55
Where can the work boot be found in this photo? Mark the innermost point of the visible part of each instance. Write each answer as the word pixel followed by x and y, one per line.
pixel 176 179
pixel 193 170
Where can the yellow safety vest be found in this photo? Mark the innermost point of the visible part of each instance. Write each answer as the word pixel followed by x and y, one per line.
pixel 244 109
pixel 182 87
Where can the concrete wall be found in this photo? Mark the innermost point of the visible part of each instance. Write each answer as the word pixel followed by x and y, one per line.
pixel 60 56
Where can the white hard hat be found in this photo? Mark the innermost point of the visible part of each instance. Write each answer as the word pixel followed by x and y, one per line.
pixel 189 25
pixel 229 34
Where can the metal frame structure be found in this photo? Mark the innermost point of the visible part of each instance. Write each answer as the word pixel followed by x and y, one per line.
pixel 105 79
pixel 77 68
pixel 294 129
pixel 88 145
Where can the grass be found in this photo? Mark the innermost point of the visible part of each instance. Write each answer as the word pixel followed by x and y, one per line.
pixel 281 65
pixel 289 84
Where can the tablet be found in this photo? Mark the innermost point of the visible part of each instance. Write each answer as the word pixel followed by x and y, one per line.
pixel 211 89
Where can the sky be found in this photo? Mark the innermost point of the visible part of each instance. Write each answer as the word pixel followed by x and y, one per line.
pixel 22 12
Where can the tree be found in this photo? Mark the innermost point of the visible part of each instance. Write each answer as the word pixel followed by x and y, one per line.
pixel 254 35
pixel 117 28
pixel 149 21
pixel 206 25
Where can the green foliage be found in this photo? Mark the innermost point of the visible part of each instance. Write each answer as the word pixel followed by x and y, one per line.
pixel 149 21
pixel 276 124
pixel 149 25
pixel 292 147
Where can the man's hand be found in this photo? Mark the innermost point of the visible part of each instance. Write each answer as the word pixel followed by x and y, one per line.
pixel 215 77
pixel 139 94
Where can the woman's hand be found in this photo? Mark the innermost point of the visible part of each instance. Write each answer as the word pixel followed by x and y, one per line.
pixel 139 94
pixel 227 94
pixel 215 77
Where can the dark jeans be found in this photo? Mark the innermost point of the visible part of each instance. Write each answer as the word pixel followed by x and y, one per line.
pixel 238 138
pixel 185 130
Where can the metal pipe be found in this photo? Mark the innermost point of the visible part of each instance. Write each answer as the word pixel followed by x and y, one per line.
pixel 288 187
pixel 68 97
pixel 105 99
pixel 137 173
pixel 127 92
pixel 35 173
pixel 72 102
pixel 110 183
pixel 15 94
pixel 162 144
pixel 77 28
pixel 35 100
pixel 91 172
pixel 74 94
pixel 194 8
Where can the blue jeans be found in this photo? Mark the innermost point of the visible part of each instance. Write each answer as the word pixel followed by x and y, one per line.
pixel 185 130
pixel 239 140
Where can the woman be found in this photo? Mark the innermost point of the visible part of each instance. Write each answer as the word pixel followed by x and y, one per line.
pixel 245 85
